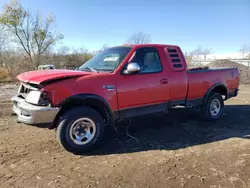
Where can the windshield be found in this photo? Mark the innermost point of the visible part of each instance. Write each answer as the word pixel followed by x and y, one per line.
pixel 107 60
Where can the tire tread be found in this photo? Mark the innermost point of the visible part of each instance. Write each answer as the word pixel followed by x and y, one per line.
pixel 65 120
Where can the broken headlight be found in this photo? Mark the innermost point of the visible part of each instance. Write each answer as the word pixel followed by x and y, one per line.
pixel 40 98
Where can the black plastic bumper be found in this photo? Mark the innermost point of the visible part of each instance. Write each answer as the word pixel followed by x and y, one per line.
pixel 233 93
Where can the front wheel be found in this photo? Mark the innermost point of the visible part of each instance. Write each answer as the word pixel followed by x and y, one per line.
pixel 213 108
pixel 80 129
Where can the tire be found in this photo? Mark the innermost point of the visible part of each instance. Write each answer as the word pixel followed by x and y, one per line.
pixel 80 130
pixel 210 113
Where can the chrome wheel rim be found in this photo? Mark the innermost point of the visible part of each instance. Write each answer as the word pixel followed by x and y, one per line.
pixel 215 107
pixel 82 131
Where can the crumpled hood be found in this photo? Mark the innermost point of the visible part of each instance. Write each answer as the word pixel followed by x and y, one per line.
pixel 37 77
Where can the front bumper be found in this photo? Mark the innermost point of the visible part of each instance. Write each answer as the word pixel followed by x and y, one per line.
pixel 31 114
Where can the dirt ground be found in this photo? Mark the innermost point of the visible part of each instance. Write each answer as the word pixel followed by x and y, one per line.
pixel 172 150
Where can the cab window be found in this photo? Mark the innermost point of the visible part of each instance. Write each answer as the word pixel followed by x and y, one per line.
pixel 148 59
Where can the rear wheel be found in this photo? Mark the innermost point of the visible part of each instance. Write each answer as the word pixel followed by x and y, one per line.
pixel 213 108
pixel 80 129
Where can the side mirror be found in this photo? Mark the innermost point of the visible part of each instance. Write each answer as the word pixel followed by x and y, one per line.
pixel 132 68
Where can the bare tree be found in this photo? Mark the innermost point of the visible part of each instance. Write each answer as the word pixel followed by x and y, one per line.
pixel 2 37
pixel 8 57
pixel 105 46
pixel 245 51
pixel 139 38
pixel 196 54
pixel 188 56
pixel 30 31
pixel 206 52
pixel 66 57
pixel 3 40
pixel 9 62
pixel 200 53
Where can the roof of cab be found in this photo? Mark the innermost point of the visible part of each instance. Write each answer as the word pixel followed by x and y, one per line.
pixel 150 45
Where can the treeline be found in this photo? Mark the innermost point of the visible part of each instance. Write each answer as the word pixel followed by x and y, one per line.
pixel 28 39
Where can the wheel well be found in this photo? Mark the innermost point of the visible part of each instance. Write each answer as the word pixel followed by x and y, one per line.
pixel 221 90
pixel 91 102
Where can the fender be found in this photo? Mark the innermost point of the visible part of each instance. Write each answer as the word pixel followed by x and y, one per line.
pixel 220 84
pixel 96 100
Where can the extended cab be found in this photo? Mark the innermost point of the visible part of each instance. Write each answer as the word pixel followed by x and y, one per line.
pixel 119 82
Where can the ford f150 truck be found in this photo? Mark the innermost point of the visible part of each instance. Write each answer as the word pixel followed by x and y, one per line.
pixel 118 83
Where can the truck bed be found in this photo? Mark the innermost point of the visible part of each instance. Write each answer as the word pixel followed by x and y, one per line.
pixel 202 78
pixel 208 69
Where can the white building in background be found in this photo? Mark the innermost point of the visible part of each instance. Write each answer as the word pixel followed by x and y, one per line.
pixel 235 57
pixel 205 62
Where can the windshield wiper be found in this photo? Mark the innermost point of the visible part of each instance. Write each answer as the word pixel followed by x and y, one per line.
pixel 92 69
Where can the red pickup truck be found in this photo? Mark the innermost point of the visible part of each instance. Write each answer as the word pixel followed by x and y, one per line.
pixel 118 83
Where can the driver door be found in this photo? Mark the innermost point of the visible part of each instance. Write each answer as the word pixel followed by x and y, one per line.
pixel 146 91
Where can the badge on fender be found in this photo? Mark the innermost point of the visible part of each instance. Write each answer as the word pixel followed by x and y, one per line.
pixel 109 87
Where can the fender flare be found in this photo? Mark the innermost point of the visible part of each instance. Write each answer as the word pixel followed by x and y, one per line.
pixel 85 98
pixel 220 84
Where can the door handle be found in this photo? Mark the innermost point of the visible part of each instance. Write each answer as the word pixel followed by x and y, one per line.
pixel 164 81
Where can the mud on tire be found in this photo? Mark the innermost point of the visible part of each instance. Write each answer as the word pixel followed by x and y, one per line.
pixel 80 129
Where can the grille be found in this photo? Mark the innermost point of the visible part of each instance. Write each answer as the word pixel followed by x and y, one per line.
pixel 24 89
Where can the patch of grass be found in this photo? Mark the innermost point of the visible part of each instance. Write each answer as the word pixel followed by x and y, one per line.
pixel 3 74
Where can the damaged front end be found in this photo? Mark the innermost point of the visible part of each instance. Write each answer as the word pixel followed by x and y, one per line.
pixel 33 106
